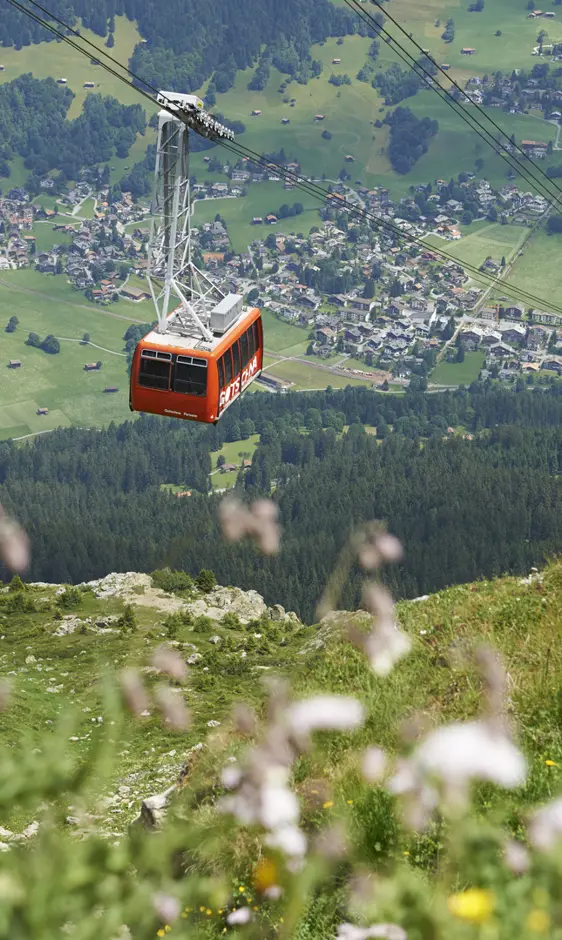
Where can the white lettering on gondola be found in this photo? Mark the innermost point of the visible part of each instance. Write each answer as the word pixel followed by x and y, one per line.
pixel 232 391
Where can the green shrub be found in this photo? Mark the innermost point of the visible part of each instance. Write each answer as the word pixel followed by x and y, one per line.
pixel 70 598
pixel 205 581
pixel 171 581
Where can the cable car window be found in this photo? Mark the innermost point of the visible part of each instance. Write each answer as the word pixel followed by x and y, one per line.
pixel 251 343
pixel 221 373
pixel 190 379
pixel 227 359
pixel 244 353
pixel 236 358
pixel 256 331
pixel 154 373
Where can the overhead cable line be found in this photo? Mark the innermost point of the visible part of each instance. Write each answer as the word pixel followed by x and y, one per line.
pixel 552 192
pixel 313 189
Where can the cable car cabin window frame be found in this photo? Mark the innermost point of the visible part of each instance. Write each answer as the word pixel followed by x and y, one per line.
pixel 196 382
pixel 235 359
pixel 244 350
pixel 227 376
pixel 251 342
pixel 151 379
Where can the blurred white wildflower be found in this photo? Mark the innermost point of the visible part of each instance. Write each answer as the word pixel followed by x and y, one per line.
pixel 167 907
pixel 172 707
pixel 134 693
pixel 446 762
pixel 166 660
pixel 387 931
pixel 386 644
pixel 545 828
pixel 326 713
pixel 242 916
pixel 262 794
pixel 273 893
pixel 374 764
pixel 14 544
pixel 376 547
pixel 516 857
pixel 332 843
pixel 418 797
pixel 474 750
pixel 259 522
pixel 495 681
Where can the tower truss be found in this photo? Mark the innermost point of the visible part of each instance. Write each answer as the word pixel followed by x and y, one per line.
pixel 177 286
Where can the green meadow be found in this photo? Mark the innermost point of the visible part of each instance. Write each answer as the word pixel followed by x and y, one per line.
pixel 458 373
pixel 538 270
pixel 46 305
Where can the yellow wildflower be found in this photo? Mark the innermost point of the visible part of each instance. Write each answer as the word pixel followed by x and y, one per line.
pixel 161 932
pixel 551 763
pixel 328 804
pixel 474 905
pixel 538 921
pixel 202 909
pixel 266 874
pixel 241 889
pixel 406 854
pixel 208 912
pixel 350 802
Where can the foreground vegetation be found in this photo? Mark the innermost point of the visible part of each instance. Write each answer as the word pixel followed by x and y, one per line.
pixel 239 853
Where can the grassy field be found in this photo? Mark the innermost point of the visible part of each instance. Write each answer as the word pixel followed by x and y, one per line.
pixel 59 382
pixel 489 240
pixel 283 338
pixel 307 378
pixel 538 270
pixel 262 199
pixel 52 60
pixel 458 373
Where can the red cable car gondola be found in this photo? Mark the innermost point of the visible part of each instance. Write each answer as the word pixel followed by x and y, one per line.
pixel 187 376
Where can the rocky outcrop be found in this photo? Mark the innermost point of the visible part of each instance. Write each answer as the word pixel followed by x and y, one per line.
pixel 154 808
pixel 137 589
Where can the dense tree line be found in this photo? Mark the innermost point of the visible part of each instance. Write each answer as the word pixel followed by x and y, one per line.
pixel 33 124
pixel 92 500
pixel 409 138
pixel 396 83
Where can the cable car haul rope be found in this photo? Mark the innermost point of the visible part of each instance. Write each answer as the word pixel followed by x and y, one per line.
pixel 207 347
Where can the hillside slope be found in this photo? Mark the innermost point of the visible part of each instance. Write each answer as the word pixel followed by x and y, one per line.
pixel 68 755
pixel 57 652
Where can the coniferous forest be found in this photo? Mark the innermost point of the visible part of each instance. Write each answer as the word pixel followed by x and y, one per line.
pixel 482 503
pixel 187 41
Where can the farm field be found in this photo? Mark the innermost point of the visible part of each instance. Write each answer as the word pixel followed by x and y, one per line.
pixel 283 338
pixel 458 373
pixel 538 270
pixel 52 60
pixel 262 199
pixel 493 239
pixel 307 378
pixel 58 382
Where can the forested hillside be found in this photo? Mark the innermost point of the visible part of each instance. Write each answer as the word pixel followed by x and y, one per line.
pixel 33 125
pixel 467 506
pixel 188 41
